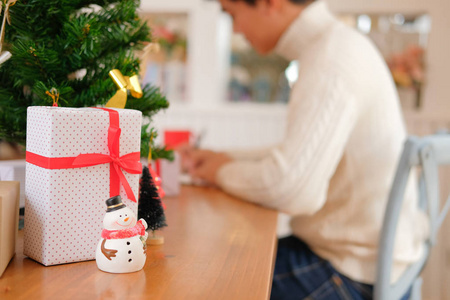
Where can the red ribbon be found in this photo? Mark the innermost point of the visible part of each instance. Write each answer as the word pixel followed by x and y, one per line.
pixel 128 162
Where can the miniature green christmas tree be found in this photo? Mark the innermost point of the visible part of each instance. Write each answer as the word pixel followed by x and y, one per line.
pixel 68 48
pixel 150 206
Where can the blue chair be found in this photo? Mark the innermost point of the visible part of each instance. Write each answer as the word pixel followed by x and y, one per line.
pixel 428 153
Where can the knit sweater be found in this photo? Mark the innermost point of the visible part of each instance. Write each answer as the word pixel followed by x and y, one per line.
pixel 334 168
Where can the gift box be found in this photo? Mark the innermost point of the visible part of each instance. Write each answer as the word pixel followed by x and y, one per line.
pixel 170 174
pixel 77 158
pixel 9 221
pixel 14 170
pixel 170 171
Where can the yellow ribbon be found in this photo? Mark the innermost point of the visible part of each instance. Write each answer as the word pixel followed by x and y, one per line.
pixel 5 18
pixel 124 83
pixel 54 94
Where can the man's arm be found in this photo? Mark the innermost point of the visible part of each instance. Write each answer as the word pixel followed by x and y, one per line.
pixel 294 177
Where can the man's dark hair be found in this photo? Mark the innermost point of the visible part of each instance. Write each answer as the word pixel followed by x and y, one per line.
pixel 253 2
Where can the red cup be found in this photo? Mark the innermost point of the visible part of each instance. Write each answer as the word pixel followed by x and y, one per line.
pixel 173 138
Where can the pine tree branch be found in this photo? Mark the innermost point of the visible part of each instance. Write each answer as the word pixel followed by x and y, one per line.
pixel 50 40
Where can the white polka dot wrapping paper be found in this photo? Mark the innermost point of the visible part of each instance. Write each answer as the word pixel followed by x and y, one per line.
pixel 64 207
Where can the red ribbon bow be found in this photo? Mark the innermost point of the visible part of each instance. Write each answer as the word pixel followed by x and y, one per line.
pixel 128 162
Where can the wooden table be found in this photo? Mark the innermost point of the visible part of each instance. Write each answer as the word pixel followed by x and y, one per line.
pixel 216 247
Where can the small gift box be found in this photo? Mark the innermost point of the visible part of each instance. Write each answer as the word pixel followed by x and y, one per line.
pixel 9 221
pixel 76 159
pixel 14 170
pixel 169 173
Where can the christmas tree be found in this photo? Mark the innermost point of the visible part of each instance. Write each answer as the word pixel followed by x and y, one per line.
pixel 66 49
pixel 150 207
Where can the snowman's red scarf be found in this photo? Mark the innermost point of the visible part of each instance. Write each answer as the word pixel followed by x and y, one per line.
pixel 137 229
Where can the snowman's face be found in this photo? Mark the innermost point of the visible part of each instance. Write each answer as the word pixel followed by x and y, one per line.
pixel 119 219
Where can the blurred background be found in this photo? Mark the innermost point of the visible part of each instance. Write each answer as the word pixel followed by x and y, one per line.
pixel 220 88
pixel 222 91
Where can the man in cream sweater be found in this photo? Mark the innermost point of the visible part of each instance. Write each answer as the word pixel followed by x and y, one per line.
pixel 333 171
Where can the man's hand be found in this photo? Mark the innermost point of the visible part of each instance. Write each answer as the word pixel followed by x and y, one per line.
pixel 185 150
pixel 206 164
pixel 203 164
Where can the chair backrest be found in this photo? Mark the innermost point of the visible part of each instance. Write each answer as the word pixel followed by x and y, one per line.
pixel 427 153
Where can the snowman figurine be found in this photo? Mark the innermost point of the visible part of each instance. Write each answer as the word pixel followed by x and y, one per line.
pixel 122 248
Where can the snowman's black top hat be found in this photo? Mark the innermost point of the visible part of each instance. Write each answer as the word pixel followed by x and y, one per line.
pixel 114 203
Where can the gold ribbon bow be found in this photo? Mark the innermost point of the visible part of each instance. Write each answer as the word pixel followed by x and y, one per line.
pixel 124 83
pixel 5 18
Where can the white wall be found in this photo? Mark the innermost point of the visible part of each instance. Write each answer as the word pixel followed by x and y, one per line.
pixel 230 127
